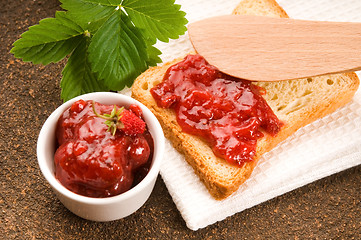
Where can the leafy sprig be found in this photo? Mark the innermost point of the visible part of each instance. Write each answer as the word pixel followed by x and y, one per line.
pixel 108 42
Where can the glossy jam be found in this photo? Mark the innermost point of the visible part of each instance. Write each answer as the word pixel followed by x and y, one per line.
pixel 91 161
pixel 229 113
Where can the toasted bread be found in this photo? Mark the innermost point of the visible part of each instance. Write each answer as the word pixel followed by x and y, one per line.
pixel 296 103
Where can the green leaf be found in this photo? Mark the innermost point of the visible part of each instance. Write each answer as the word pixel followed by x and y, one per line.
pixel 49 41
pixel 110 42
pixel 153 55
pixel 90 10
pixel 117 52
pixel 77 76
pixel 95 25
pixel 161 19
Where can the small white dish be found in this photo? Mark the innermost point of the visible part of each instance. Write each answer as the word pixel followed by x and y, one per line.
pixel 100 209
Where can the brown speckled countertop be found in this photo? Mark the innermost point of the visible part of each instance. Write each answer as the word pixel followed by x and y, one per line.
pixel 327 209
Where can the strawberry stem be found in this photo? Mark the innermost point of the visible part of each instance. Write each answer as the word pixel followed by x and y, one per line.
pixel 112 120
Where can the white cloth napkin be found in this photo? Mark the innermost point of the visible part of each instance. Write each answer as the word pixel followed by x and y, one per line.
pixel 320 149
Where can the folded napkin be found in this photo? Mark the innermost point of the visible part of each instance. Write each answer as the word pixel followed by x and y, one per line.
pixel 320 149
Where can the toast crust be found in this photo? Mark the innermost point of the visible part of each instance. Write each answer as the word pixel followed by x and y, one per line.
pixel 313 98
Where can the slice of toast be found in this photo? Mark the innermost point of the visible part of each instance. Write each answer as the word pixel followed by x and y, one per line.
pixel 295 102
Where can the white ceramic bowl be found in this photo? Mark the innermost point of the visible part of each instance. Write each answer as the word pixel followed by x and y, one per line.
pixel 100 209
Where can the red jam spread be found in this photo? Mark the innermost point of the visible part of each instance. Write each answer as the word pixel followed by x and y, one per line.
pixel 227 112
pixel 93 162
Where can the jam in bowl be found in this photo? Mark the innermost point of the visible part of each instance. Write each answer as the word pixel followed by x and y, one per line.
pixel 100 169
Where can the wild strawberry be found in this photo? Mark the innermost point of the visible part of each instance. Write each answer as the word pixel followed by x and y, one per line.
pixel 78 106
pixel 139 151
pixel 136 110
pixel 123 119
pixel 132 124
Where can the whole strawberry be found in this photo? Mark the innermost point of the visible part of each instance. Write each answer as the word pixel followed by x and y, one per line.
pixel 120 118
pixel 132 124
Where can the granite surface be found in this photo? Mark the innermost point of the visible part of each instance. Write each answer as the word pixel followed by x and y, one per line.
pixel 327 209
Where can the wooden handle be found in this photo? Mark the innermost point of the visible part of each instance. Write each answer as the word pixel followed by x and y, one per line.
pixel 272 49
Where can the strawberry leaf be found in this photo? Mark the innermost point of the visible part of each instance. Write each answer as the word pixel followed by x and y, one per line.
pixel 90 10
pixel 117 52
pixel 109 42
pixel 49 41
pixel 153 54
pixel 77 77
pixel 161 19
